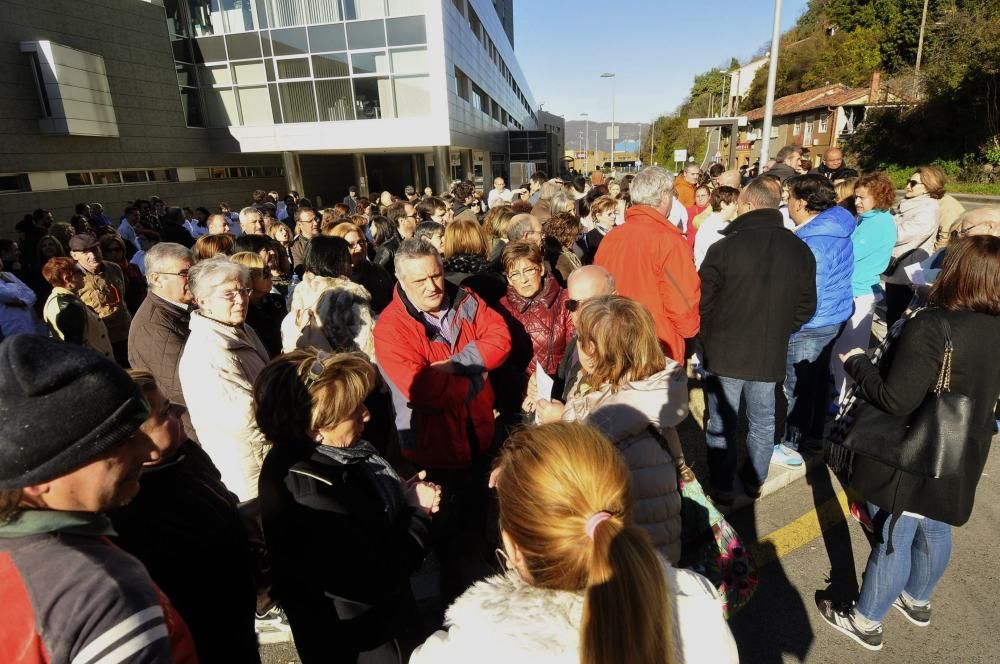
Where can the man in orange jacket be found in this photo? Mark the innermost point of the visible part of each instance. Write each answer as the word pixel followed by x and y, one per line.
pixel 652 264
pixel 686 184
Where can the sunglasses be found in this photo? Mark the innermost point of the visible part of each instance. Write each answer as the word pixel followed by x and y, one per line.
pixel 960 232
pixel 913 183
pixel 573 305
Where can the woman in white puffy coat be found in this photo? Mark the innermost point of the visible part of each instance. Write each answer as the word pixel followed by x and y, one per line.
pixel 221 360
pixel 583 582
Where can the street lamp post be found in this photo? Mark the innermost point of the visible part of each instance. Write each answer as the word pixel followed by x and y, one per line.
pixel 612 77
pixel 772 72
pixel 586 154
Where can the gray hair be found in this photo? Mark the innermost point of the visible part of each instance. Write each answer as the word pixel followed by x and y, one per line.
pixel 562 202
pixel 206 275
pixel 161 253
pixel 519 225
pixel 648 186
pixel 412 249
pixel 250 212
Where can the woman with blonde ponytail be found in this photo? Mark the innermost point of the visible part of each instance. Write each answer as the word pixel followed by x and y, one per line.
pixel 583 583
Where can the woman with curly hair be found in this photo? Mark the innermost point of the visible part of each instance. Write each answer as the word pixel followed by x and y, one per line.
pixel 561 232
pixel 113 249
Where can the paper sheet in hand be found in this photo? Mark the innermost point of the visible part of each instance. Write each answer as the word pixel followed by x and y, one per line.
pixel 920 275
pixel 543 384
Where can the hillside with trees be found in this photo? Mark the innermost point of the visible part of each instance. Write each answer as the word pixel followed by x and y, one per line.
pixel 845 41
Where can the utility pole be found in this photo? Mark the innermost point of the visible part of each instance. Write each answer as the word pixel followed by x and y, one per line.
pixel 772 73
pixel 920 42
pixel 586 154
pixel 652 139
pixel 612 77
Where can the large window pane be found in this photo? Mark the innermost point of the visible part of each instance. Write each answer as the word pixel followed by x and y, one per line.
pixel 402 7
pixel 298 104
pixel 185 75
pixel 413 96
pixel 249 72
pixel 272 92
pixel 404 31
pixel 323 11
pixel 191 102
pixel 330 65
pixel 334 98
pixel 295 68
pixel 210 49
pixel 243 46
pixel 372 98
pixel 221 104
pixel 327 38
pixel 238 14
pixel 358 9
pixel 366 34
pixel 289 42
pixel 201 18
pixel 215 75
pixel 284 13
pixel 370 63
pixel 255 105
pixel 409 61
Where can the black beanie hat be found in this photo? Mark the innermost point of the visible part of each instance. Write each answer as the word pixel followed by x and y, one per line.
pixel 61 405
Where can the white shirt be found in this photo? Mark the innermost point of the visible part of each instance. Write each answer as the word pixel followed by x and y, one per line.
pixel 709 233
pixel 496 197
pixel 678 215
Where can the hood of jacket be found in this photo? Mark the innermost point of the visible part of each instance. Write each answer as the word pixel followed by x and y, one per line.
pixel 832 222
pixel 308 292
pixel 660 400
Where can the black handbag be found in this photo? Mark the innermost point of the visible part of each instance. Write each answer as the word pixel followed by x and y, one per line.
pixel 930 441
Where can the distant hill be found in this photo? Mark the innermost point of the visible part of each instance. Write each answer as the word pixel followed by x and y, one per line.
pixel 575 139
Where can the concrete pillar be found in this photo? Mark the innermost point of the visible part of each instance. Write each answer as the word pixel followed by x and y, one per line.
pixel 418 176
pixel 442 169
pixel 293 172
pixel 465 156
pixel 361 175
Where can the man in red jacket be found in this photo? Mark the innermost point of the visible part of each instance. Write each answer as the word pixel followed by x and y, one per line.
pixel 652 264
pixel 435 345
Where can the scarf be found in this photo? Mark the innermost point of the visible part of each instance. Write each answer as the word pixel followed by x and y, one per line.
pixel 385 479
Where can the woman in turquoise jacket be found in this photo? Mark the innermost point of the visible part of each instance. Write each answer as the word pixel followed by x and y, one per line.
pixel 873 240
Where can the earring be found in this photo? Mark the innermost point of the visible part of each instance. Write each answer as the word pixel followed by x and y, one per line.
pixel 503 559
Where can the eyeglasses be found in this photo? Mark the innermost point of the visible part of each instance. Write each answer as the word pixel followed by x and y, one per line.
pixel 356 245
pixel 913 183
pixel 573 305
pixel 183 274
pixel 528 273
pixel 960 232
pixel 232 296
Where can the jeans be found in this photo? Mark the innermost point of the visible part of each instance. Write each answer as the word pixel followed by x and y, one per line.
pixel 723 395
pixel 921 550
pixel 807 383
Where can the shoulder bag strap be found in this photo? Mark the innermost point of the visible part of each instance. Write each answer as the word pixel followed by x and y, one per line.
pixel 944 376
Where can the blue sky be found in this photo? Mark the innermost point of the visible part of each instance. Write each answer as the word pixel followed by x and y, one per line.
pixel 659 47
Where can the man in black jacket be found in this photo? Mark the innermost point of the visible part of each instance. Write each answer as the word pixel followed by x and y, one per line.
pixel 833 167
pixel 758 286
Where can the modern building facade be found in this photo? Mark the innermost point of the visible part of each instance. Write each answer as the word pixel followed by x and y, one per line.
pixel 200 101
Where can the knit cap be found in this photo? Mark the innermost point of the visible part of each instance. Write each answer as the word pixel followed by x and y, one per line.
pixel 61 405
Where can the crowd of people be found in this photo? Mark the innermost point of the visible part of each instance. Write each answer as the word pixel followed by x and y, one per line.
pixel 220 424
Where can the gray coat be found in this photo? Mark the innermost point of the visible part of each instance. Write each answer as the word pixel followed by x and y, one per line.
pixel 624 418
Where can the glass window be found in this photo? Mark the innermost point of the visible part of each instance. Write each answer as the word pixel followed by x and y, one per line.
pixel 372 98
pixel 185 75
pixel 215 75
pixel 323 11
pixel 283 13
pixel 360 9
pixel 294 68
pixel 238 14
pixel 175 23
pixel 334 99
pixel 221 103
pixel 201 18
pixel 409 61
pixel 107 177
pixel 162 175
pixel 462 83
pixel 403 31
pixel 272 91
pixel 370 63
pixel 330 65
pixel 824 123
pixel 202 174
pixel 191 102
pixel 78 179
pixel 324 38
pixel 243 46
pixel 366 34
pixel 298 104
pixel 403 7
pixel 289 42
pixel 249 72
pixel 413 96
pixel 182 50
pixel 134 176
pixel 261 7
pixel 210 49
pixel 255 105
